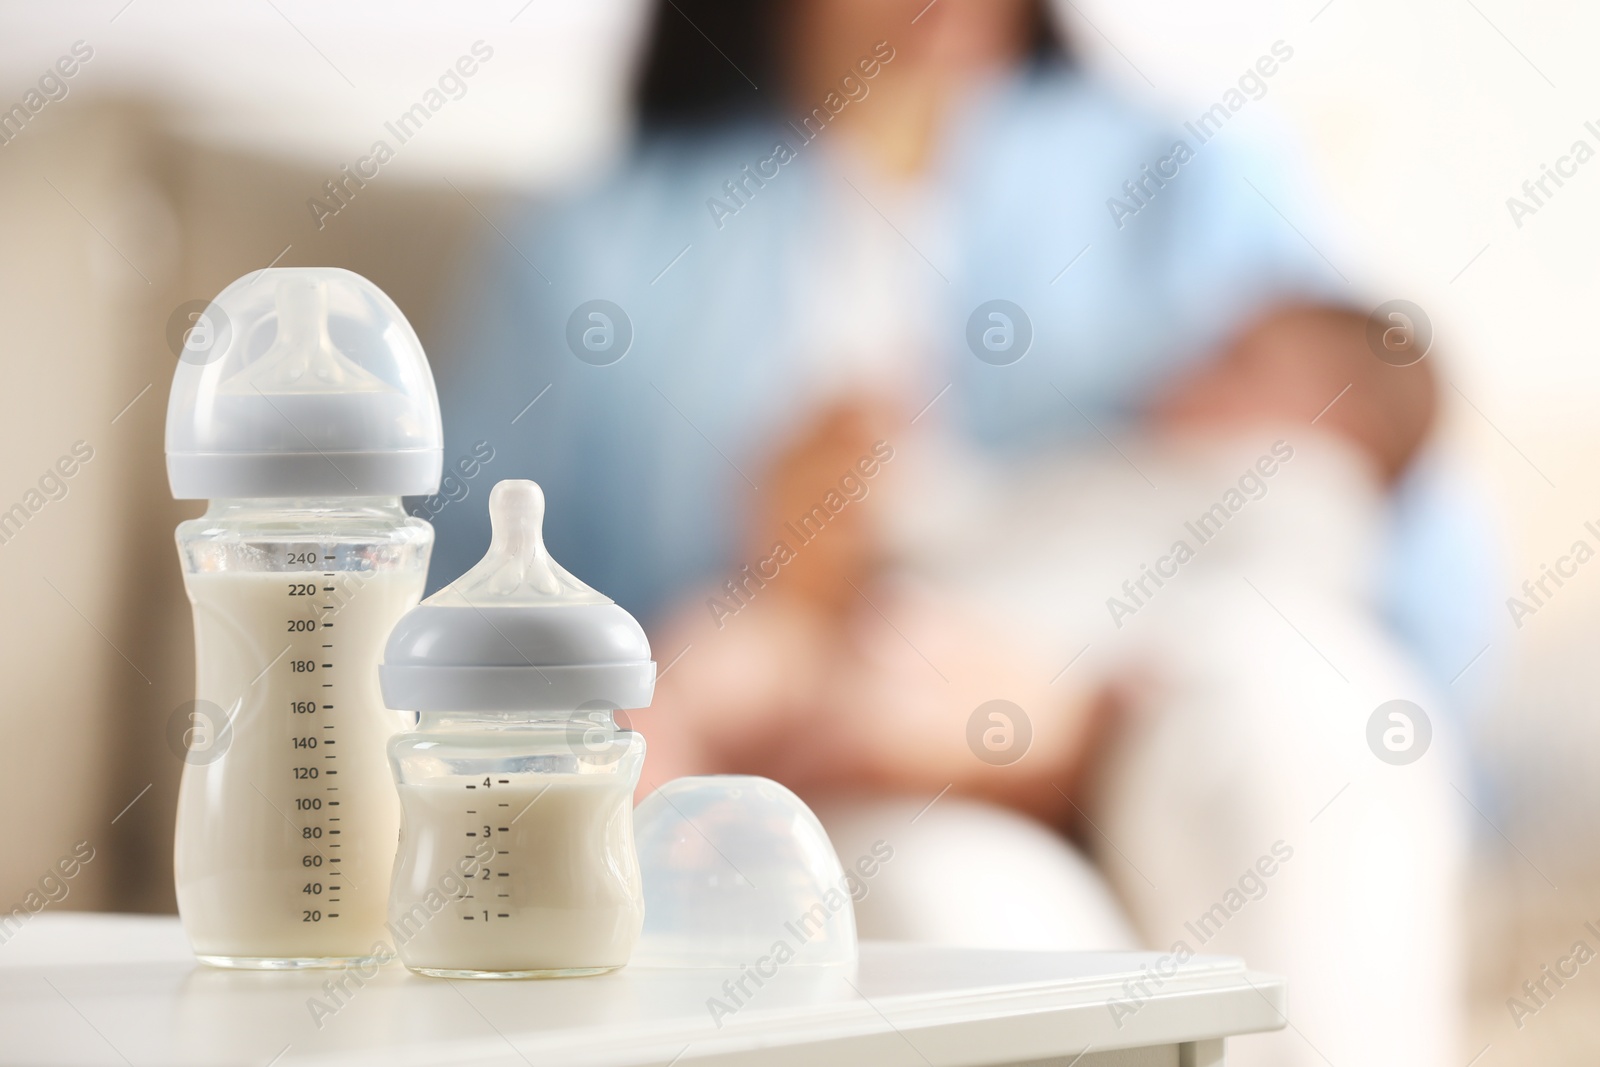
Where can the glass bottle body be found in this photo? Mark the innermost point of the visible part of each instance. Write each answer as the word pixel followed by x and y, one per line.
pixel 516 846
pixel 287 819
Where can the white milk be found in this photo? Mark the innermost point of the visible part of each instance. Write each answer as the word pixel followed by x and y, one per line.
pixel 286 842
pixel 561 893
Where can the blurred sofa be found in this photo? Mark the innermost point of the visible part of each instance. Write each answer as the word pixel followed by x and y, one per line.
pixel 111 224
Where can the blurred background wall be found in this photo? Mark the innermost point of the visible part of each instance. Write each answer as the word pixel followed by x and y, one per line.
pixel 189 141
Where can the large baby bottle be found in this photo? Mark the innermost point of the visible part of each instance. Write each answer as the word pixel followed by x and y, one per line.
pixel 303 415
pixel 516 851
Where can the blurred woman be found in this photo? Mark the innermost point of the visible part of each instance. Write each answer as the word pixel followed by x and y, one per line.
pixel 878 377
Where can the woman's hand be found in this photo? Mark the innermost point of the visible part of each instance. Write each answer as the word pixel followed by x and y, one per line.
pixel 831 551
pixel 747 682
pixel 729 697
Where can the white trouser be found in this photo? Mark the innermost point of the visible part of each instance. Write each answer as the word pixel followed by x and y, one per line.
pixel 1256 672
pixel 968 873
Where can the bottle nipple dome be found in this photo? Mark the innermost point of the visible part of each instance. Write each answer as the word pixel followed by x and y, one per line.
pixel 517 631
pixel 309 382
pixel 302 357
pixel 517 569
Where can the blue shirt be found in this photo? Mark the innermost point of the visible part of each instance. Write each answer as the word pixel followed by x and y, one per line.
pixel 645 461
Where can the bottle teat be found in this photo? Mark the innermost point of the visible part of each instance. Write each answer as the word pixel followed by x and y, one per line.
pixel 517 570
pixel 313 385
pixel 517 632
pixel 303 357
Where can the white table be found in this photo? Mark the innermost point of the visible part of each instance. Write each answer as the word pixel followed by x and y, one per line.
pixel 93 989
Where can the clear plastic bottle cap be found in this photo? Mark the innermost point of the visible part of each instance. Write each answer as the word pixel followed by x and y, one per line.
pixel 303 381
pixel 517 631
pixel 733 867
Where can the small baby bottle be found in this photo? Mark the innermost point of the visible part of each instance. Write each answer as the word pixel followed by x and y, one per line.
pixel 305 414
pixel 516 854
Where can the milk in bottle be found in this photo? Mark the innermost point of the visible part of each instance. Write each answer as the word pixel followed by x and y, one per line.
pixel 515 671
pixel 304 412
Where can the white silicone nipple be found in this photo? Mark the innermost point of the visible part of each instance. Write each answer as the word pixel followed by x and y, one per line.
pixel 518 570
pixel 303 358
